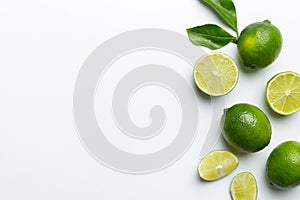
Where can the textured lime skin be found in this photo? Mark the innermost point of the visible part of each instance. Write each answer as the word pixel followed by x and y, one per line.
pixel 259 44
pixel 246 128
pixel 283 165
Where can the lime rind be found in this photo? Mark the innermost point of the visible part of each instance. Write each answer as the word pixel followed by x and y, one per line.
pixel 216 74
pixel 283 93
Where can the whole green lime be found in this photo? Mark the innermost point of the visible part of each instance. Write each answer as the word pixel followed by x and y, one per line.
pixel 259 44
pixel 283 165
pixel 246 128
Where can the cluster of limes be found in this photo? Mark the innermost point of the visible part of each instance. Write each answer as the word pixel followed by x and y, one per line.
pixel 246 127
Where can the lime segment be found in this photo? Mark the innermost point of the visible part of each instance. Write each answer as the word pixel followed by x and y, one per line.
pixel 283 93
pixel 243 187
pixel 217 164
pixel 215 74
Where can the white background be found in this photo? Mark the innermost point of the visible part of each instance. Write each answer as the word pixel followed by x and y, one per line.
pixel 42 46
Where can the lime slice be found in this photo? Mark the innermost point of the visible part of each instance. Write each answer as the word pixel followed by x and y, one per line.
pixel 215 74
pixel 283 93
pixel 217 164
pixel 243 187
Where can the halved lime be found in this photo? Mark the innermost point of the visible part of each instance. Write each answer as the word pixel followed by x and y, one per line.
pixel 283 93
pixel 215 74
pixel 243 187
pixel 217 164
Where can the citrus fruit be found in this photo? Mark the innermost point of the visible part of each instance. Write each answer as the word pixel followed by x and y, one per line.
pixel 243 187
pixel 215 74
pixel 259 44
pixel 246 127
pixel 283 165
pixel 216 165
pixel 283 93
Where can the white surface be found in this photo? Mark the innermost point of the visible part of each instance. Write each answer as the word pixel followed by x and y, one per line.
pixel 42 46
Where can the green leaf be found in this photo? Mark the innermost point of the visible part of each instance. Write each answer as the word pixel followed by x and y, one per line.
pixel 226 9
pixel 209 35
